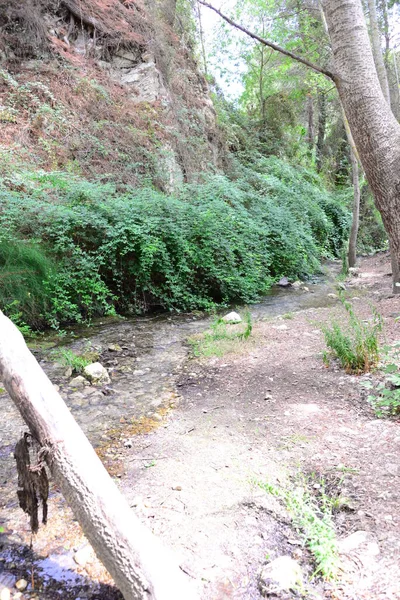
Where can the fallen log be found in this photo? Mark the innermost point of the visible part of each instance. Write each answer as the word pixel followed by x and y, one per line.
pixel 142 568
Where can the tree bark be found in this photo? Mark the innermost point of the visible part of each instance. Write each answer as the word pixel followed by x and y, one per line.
pixel 355 221
pixel 384 82
pixel 377 50
pixel 321 130
pixel 141 567
pixel 310 130
pixel 375 130
pixel 352 255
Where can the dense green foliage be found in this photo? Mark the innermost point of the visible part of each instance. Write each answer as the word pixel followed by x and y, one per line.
pixel 89 249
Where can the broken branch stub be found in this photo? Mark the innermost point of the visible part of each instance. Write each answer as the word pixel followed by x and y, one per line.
pixel 33 483
pixel 141 566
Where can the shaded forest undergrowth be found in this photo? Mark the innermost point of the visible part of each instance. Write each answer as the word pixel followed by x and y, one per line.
pixel 71 249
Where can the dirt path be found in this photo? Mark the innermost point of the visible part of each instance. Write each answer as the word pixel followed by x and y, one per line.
pixel 253 418
pixel 270 412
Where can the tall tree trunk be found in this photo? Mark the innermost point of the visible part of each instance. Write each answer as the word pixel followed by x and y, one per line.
pixel 355 221
pixel 321 129
pixel 383 80
pixel 352 255
pixel 141 567
pixel 375 130
pixel 396 90
pixel 310 131
pixel 377 50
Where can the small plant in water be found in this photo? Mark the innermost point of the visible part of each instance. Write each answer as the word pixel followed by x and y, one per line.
pixel 355 345
pixel 76 362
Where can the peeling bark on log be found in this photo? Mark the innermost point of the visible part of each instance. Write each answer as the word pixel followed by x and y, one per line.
pixel 142 568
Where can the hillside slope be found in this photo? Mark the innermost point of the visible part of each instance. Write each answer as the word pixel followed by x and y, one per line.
pixel 104 87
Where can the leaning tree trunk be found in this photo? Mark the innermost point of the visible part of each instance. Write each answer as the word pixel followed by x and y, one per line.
pixel 141 567
pixel 384 82
pixel 375 130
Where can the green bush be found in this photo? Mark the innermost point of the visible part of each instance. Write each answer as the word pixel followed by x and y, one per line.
pixel 219 241
pixel 355 346
pixel 24 269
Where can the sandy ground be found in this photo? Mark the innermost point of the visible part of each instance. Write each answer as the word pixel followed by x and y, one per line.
pixel 269 413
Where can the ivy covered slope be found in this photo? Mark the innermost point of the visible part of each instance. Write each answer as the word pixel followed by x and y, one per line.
pixel 71 249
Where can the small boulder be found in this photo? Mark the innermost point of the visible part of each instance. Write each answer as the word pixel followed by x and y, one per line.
pixel 281 575
pixel 114 348
pixel 78 382
pixel 284 282
pixel 96 373
pixel 21 585
pixel 84 555
pixel 297 285
pixel 232 318
pixel 354 271
pixel 5 594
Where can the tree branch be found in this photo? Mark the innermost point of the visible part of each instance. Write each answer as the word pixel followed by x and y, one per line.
pixel 303 61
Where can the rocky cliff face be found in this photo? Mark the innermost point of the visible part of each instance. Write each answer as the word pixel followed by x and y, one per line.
pixel 104 87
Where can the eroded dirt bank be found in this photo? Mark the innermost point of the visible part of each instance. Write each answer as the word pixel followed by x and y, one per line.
pixel 252 417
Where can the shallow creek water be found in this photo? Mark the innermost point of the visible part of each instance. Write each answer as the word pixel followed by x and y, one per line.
pixel 143 356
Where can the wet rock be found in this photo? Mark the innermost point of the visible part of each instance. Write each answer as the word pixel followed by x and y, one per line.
pixel 284 282
pixel 114 348
pixel 296 285
pixel 232 318
pixel 332 295
pixel 68 373
pixel 83 556
pixel 124 369
pixel 281 575
pixel 78 381
pixel 139 372
pixel 96 373
pixel 21 585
